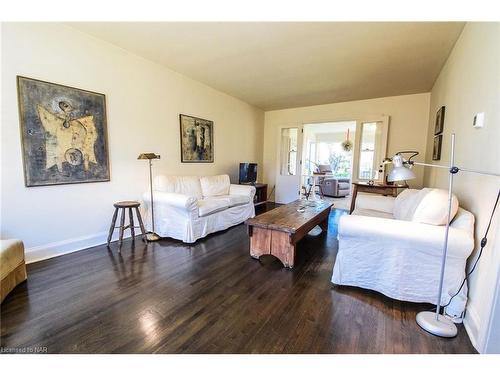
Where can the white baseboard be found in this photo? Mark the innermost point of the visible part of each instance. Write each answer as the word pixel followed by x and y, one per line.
pixel 54 249
pixel 472 322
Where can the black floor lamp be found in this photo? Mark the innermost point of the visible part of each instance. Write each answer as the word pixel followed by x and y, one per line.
pixel 151 236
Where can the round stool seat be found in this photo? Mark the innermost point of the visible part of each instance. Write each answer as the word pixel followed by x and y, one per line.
pixel 127 204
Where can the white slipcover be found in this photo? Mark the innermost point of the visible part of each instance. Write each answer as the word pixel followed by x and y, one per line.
pixel 402 258
pixel 188 208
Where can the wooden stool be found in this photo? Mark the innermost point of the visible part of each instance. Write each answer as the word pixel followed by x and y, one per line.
pixel 124 205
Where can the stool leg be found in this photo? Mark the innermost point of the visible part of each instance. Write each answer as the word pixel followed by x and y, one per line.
pixel 141 224
pixel 131 219
pixel 112 228
pixel 122 224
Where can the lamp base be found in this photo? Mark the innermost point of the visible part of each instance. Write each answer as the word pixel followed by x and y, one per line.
pixel 152 236
pixel 442 327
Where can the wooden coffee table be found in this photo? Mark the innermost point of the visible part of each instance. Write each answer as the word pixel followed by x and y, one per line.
pixel 277 232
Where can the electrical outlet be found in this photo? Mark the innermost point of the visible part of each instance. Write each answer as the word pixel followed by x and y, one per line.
pixel 478 120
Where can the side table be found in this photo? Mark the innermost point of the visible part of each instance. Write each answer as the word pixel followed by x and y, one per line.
pixel 383 189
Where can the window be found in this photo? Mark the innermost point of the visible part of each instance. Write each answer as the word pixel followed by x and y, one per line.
pixel 371 150
pixel 288 163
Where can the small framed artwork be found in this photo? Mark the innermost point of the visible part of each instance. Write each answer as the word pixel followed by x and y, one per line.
pixel 197 140
pixel 436 152
pixel 63 132
pixel 439 126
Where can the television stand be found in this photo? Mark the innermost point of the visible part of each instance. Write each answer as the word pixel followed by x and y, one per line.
pixel 260 193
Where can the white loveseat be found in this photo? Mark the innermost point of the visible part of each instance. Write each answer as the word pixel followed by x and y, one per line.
pixel 394 246
pixel 189 207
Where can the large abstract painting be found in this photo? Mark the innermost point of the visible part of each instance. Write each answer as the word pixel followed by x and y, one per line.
pixel 64 133
pixel 197 140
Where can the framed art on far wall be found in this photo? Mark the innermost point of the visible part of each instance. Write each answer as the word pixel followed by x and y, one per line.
pixel 197 139
pixel 436 151
pixel 439 126
pixel 63 133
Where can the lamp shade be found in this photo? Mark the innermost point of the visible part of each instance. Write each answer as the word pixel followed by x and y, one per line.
pixel 148 156
pixel 399 171
pixel 400 174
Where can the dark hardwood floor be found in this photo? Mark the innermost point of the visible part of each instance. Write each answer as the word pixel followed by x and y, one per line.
pixel 210 297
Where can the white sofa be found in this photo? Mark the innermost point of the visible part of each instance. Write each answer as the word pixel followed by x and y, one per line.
pixel 189 207
pixel 394 246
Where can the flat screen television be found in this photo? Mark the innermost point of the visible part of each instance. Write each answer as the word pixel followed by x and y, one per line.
pixel 248 173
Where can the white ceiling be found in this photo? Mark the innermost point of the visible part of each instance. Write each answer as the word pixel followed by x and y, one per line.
pixel 283 65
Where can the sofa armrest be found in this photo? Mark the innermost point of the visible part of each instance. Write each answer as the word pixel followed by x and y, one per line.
pixel 185 202
pixel 247 190
pixel 427 238
pixel 375 202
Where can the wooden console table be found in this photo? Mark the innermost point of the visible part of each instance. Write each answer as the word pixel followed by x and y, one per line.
pixel 277 232
pixel 383 189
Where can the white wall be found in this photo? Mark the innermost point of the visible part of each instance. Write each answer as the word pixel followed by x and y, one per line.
pixel 470 83
pixel 144 100
pixel 409 116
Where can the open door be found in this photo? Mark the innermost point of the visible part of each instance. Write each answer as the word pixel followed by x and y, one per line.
pixel 289 164
pixel 370 148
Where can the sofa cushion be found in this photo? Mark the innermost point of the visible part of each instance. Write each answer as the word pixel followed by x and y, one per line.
pixel 186 185
pixel 433 207
pixel 234 199
pixel 212 186
pixel 372 213
pixel 406 203
pixel 209 206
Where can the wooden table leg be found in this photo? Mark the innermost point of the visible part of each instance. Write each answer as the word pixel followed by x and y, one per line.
pixel 283 247
pixel 353 199
pixel 324 225
pixel 260 242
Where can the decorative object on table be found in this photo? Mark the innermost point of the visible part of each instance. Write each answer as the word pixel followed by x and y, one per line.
pixel 375 188
pixel 436 151
pixel 197 140
pixel 347 144
pixel 124 205
pixel 439 125
pixel 63 132
pixel 313 182
pixel 150 156
pixel 435 322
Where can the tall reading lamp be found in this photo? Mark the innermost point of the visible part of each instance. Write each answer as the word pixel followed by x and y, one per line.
pixel 151 236
pixel 435 323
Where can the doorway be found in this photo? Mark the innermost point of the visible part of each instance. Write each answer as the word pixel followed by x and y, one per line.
pixel 350 151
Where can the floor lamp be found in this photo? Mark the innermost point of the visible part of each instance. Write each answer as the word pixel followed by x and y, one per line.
pixel 151 236
pixel 435 323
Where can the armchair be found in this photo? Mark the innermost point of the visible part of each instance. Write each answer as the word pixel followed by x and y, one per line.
pixel 333 186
